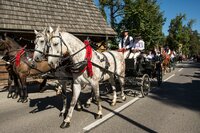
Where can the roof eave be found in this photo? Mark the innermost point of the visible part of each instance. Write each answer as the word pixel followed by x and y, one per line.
pixel 113 34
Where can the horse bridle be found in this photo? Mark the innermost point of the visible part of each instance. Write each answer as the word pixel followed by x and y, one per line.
pixel 44 52
pixel 61 54
pixel 70 56
pixel 61 44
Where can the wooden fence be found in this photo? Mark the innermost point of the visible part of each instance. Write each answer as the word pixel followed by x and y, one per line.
pixel 3 73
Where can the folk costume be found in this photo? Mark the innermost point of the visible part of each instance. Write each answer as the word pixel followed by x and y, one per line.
pixel 126 43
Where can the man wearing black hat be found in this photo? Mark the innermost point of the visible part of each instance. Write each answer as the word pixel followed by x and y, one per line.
pixel 126 42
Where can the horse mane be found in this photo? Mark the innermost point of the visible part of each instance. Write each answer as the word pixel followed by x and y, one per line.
pixel 74 37
pixel 11 43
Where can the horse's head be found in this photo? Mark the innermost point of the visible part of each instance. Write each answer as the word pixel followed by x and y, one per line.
pixel 5 44
pixel 41 46
pixel 9 46
pixel 4 47
pixel 57 48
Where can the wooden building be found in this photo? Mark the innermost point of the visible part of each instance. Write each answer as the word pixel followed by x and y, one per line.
pixel 19 18
pixel 79 17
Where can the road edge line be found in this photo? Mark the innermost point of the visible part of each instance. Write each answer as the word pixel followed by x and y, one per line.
pixel 108 116
pixel 111 114
pixel 180 69
pixel 169 77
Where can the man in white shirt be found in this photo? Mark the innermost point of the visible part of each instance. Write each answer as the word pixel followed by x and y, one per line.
pixel 173 55
pixel 150 56
pixel 138 46
pixel 167 50
pixel 126 43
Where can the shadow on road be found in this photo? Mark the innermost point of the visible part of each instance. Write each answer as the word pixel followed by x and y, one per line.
pixel 185 95
pixel 42 104
pixel 4 89
pixel 139 125
pixel 45 103
pixel 187 64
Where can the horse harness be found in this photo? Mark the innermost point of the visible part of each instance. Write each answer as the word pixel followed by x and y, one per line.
pixel 77 67
pixel 107 64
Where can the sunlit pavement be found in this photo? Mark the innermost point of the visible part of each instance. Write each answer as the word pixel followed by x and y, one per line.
pixel 172 107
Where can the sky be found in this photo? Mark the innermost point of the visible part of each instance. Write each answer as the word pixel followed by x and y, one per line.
pixel 172 8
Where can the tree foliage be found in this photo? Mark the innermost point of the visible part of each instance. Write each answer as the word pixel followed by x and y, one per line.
pixel 194 42
pixel 183 35
pixel 143 17
pixel 115 10
pixel 176 32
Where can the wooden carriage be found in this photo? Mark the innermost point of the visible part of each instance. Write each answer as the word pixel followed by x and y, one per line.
pixel 142 74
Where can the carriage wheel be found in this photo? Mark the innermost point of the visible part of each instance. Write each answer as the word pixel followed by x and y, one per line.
pixel 145 85
pixel 159 75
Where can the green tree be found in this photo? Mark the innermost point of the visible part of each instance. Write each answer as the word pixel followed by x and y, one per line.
pixel 194 43
pixel 143 17
pixel 181 34
pixel 115 10
pixel 176 31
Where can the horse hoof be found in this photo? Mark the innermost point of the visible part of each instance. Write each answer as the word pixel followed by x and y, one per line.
pixel 61 114
pixel 79 109
pixel 25 100
pixel 87 105
pixel 65 125
pixel 19 100
pixel 113 104
pixel 14 96
pixel 98 116
pixel 124 98
pixel 9 95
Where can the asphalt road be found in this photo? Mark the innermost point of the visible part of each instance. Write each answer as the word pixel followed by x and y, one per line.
pixel 172 108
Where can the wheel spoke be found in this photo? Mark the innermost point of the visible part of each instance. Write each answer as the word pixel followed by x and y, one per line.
pixel 145 88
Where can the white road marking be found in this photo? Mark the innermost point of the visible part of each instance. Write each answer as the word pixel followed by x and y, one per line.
pixel 180 69
pixel 169 77
pixel 111 114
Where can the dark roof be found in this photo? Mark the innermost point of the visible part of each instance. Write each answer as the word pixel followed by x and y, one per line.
pixel 75 16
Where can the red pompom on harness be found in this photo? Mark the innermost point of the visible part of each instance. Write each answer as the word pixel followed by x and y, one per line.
pixel 88 57
pixel 18 57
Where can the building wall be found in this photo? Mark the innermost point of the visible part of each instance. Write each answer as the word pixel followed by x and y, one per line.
pixel 28 38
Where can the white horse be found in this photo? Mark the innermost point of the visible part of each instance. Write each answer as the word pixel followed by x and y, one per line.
pixel 41 49
pixel 65 44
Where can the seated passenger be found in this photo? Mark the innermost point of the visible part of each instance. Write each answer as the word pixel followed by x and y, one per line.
pixel 138 47
pixel 126 43
pixel 150 56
